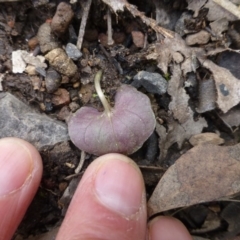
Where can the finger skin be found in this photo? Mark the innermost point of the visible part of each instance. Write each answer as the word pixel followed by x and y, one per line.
pixel 14 204
pixel 167 228
pixel 88 218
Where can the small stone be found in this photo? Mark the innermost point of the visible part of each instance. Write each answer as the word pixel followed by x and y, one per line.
pixel 138 39
pixel 36 82
pixel 119 37
pixel 65 80
pixel 31 70
pixel 76 85
pixel 38 61
pixel 84 62
pixel 74 106
pixel 62 186
pixel 52 80
pixel 73 52
pixel 74 94
pixel 62 18
pixel 64 113
pixel 46 38
pixel 19 120
pixel 59 60
pixel 75 78
pixel 61 97
pixel 103 39
pixel 87 70
pixel 208 137
pixel 32 43
pixel 18 64
pixel 152 82
pixel 85 93
pixel 201 37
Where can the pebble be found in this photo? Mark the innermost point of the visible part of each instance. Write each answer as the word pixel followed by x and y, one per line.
pixel 52 80
pixel 62 18
pixel 119 37
pixel 30 70
pixel 152 82
pixel 103 39
pixel 138 39
pixel 61 97
pixel 73 52
pixel 74 106
pixel 64 113
pixel 46 38
pixel 18 64
pixel 19 120
pixel 59 60
pixel 32 43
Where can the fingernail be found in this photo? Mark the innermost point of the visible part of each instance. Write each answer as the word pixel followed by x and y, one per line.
pixel 168 228
pixel 119 186
pixel 15 165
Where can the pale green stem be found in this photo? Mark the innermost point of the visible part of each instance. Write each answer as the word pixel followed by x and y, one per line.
pixel 100 94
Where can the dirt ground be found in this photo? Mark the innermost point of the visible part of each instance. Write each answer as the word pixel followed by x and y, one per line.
pixel 182 55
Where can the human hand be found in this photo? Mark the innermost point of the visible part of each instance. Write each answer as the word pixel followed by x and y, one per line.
pixel 109 202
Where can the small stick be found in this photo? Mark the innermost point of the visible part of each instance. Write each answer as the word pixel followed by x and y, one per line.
pixel 149 21
pixel 86 9
pixel 229 6
pixel 109 25
pixel 158 17
pixel 81 162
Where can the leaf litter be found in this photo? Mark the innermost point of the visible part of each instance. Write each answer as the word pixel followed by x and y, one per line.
pixel 199 86
pixel 205 173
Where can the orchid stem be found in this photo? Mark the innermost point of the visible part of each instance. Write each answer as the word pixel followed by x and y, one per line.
pixel 100 94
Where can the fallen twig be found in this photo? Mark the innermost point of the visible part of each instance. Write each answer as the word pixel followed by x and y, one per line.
pixel 229 6
pixel 86 9
pixel 109 25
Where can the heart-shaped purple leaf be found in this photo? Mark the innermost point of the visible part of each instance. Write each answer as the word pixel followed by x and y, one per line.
pixel 123 130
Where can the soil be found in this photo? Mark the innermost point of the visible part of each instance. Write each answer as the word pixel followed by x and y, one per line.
pixel 121 61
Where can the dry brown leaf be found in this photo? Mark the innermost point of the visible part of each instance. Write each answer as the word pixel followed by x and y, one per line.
pixel 219 26
pixel 216 12
pixel 232 117
pixel 166 49
pixel 205 173
pixel 116 5
pixel 195 6
pixel 231 214
pixel 183 126
pixel 227 86
pixel 207 95
pixel 207 137
pixel 180 107
pixel 176 50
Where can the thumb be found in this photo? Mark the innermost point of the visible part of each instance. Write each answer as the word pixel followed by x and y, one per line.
pixel 20 174
pixel 109 202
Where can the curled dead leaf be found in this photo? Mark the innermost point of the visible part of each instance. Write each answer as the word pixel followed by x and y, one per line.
pixel 205 173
